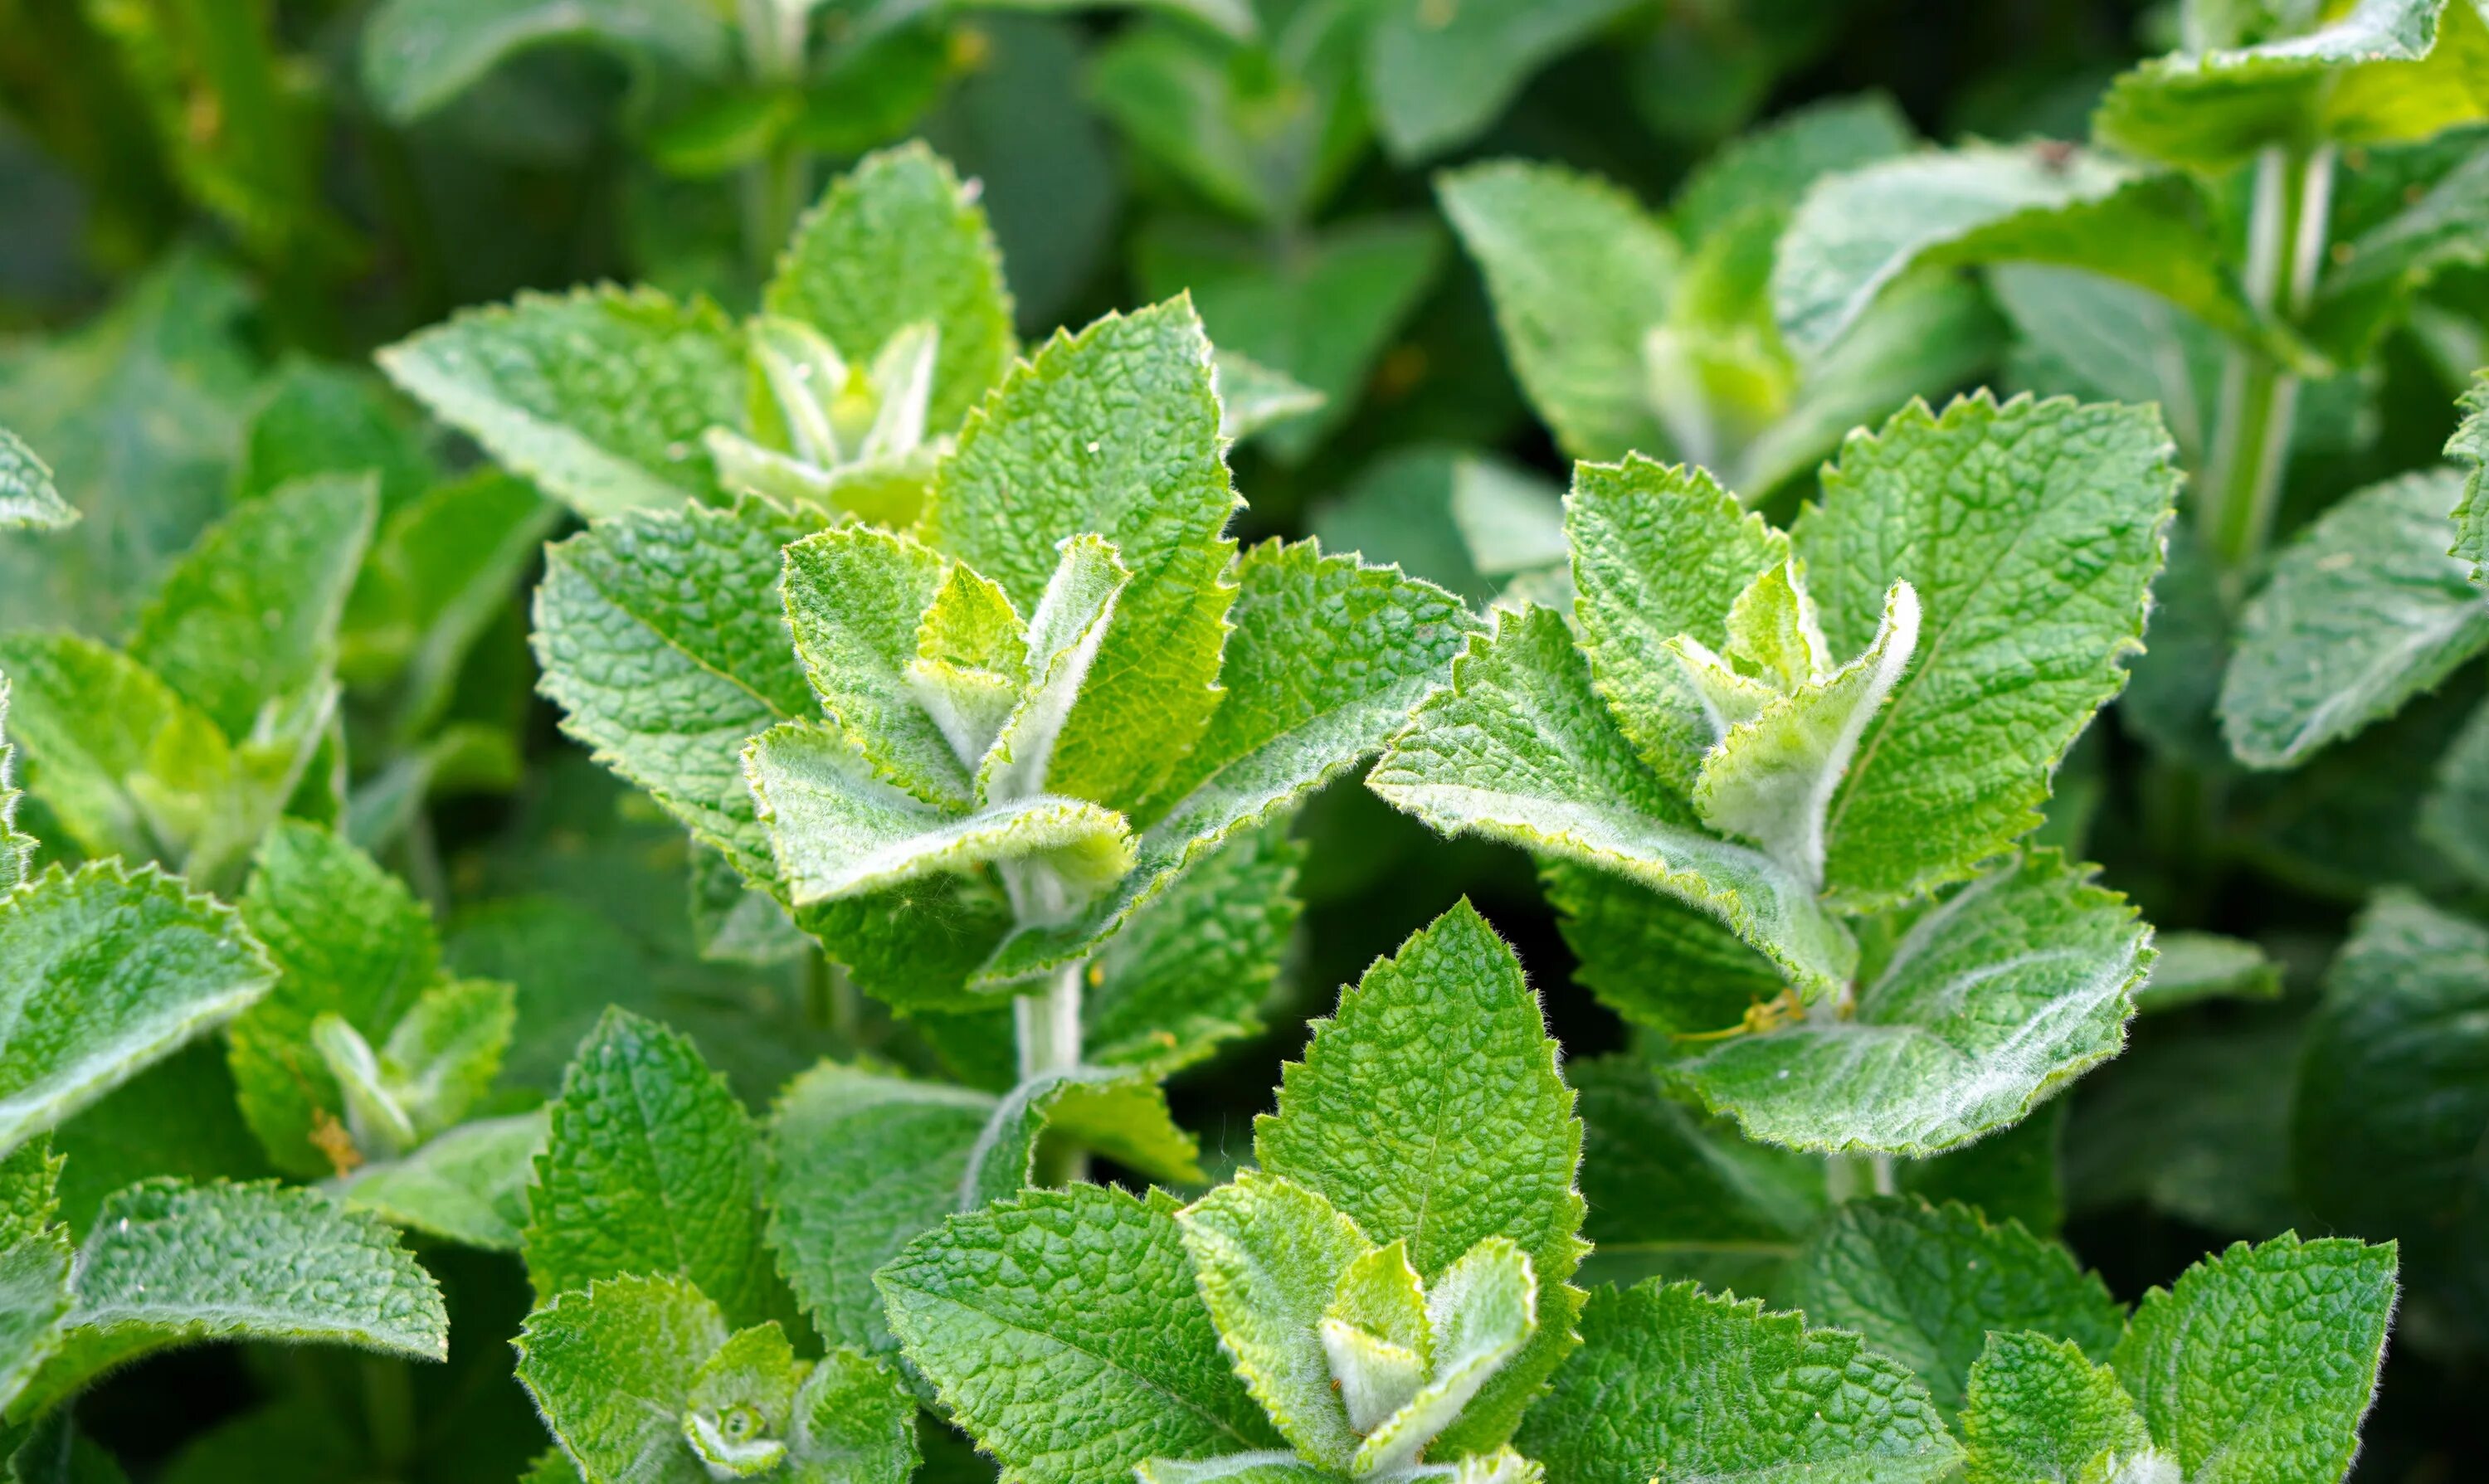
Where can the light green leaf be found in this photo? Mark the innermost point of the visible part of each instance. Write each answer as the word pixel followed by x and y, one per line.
pixel 444 1053
pixel 1991 514
pixel 1576 272
pixel 650 1167
pixel 612 1368
pixel 658 638
pixel 1483 1310
pixel 348 939
pixel 1769 168
pixel 2040 1409
pixel 862 605
pixel 1926 1284
pixel 1191 968
pixel 1429 1110
pixel 854 1424
pixel 1997 996
pixel 2259 1364
pixel 2365 610
pixel 1375 1334
pixel 1254 398
pixel 1123 1115
pixel 1783 1402
pixel 2469 447
pixel 33 1300
pixel 1080 1293
pixel 600 395
pixel 28 497
pixel 1070 622
pixel 103 972
pixel 16 848
pixel 742 1402
pixel 469 1185
pixel 2193 966
pixel 126 765
pixel 169 1263
pixel 1520 748
pixel 896 242
pixel 1440 76
pixel 419 54
pixel 1112 433
pixel 1268 1255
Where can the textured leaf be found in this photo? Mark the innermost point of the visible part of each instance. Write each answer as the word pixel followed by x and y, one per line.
pixel 1993 514
pixel 469 1184
pixel 659 640
pixel 1113 433
pixel 2010 987
pixel 126 765
pixel 2469 447
pixel 857 600
pixel 34 1299
pixel 170 1264
pixel 2192 966
pixel 1429 1110
pixel 1071 620
pixel 1783 1402
pixel 1520 748
pixel 1254 398
pixel 348 939
pixel 1191 969
pixel 28 497
pixel 1652 958
pixel 2365 610
pixel 2040 1409
pixel 600 396
pixel 101 973
pixel 896 242
pixel 1578 271
pixel 1926 1284
pixel 2011 1175
pixel 16 848
pixel 611 1368
pixel 419 54
pixel 650 1167
pixel 2259 1364
pixel 1062 1329
pixel 1481 1315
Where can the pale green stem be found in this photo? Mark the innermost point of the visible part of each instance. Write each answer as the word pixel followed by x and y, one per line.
pixel 1847 1178
pixel 1049 1028
pixel 776 184
pixel 2286 228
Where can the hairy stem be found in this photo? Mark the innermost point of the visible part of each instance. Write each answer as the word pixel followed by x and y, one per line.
pixel 1048 1024
pixel 2259 403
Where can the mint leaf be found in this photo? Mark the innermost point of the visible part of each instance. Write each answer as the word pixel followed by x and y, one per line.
pixel 1996 997
pixel 317 417
pixel 169 1263
pixel 2039 1409
pixel 1769 168
pixel 1191 968
pixel 419 54
pixel 1926 1284
pixel 470 1185
pixel 28 497
pixel 2259 1364
pixel 650 1167
pixel 599 395
pixel 126 765
pixel 1439 77
pixel 1991 514
pixel 1780 1400
pixel 1254 398
pixel 612 1366
pixel 2469 446
pixel 1443 1129
pixel 2192 966
pixel 896 242
pixel 103 972
pixel 1520 748
pixel 871 613
pixel 16 849
pixel 2455 818
pixel 1576 272
pixel 1652 958
pixel 349 940
pixel 658 640
pixel 1085 1294
pixel 2365 610
pixel 33 1300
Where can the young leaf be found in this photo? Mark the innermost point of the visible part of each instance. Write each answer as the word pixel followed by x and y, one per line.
pixel 2364 611
pixel 103 972
pixel 16 849
pixel 871 612
pixel 611 1365
pixel 1926 1284
pixel 2192 966
pixel 1428 1109
pixel 419 54
pixel 1254 398
pixel 1768 169
pixel 1080 1293
pixel 1440 77
pixel 169 1263
pixel 2040 1408
pixel 1778 1399
pixel 2469 447
pixel 896 242
pixel 1578 271
pixel 651 1167
pixel 126 765
pixel 1991 514
pixel 600 395
pixel 469 1184
pixel 28 497
pixel 2260 1362
pixel 2008 988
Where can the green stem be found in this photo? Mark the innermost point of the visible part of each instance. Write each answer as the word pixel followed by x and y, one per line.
pixel 2259 403
pixel 1048 1027
pixel 775 185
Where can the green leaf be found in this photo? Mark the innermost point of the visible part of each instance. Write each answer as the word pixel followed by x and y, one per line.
pixel 1926 1284
pixel 33 1300
pixel 348 939
pixel 2469 447
pixel 124 764
pixel 1997 996
pixel 1576 272
pixel 2039 1409
pixel 2011 1175
pixel 103 972
pixel 1254 398
pixel 1113 433
pixel 2193 966
pixel 612 1368
pixel 16 849
pixel 1429 1110
pixel 1191 968
pixel 2389 1109
pixel 170 1264
pixel 1520 748
pixel 2455 818
pixel 1440 76
pixel 2195 1123
pixel 318 418
pixel 1769 168
pixel 2259 1364
pixel 1071 622
pixel 1481 1315
pixel 599 395
pixel 871 614
pixel 854 1424
pixel 1991 514
pixel 650 1167
pixel 2365 610
pixel 177 1118
pixel 444 1051
pixel 659 640
pixel 1461 520
pixel 2044 203
pixel 896 242
pixel 1123 1115
pixel 1082 1293
pixel 29 501
pixel 1652 958
pixel 419 54
pixel 469 1185
pixel 1782 1401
